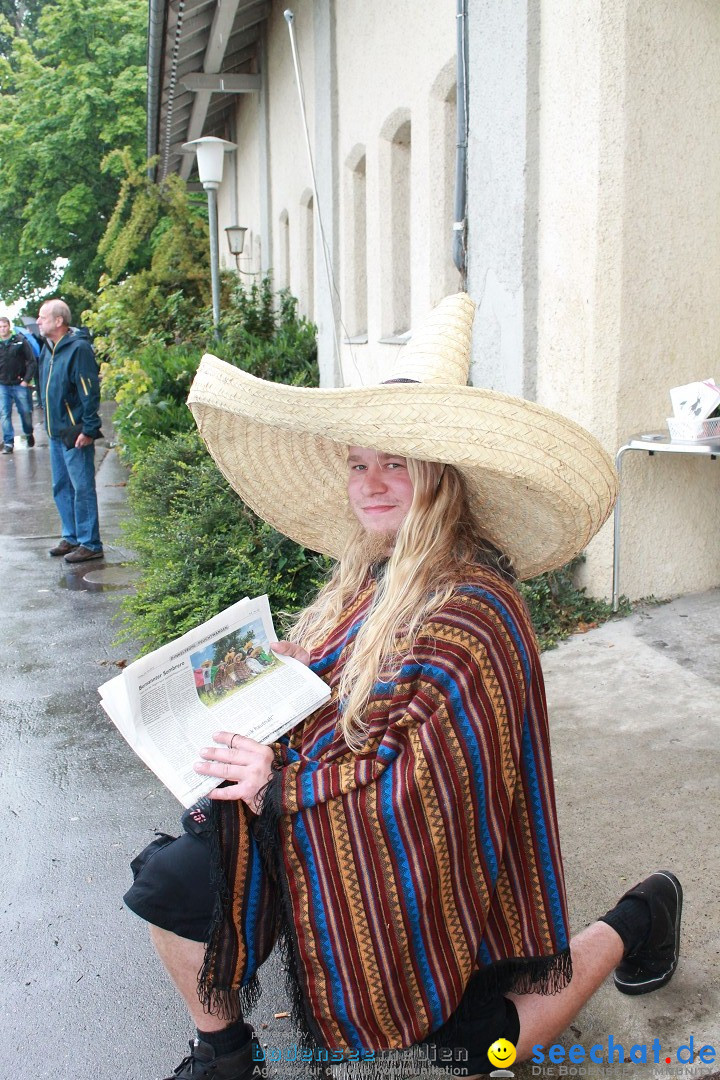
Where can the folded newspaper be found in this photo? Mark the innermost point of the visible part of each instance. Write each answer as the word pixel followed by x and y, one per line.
pixel 222 676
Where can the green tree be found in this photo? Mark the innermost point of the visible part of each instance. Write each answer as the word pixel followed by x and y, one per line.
pixel 16 17
pixel 72 88
pixel 21 13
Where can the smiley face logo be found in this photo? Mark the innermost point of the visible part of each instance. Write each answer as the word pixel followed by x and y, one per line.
pixel 502 1053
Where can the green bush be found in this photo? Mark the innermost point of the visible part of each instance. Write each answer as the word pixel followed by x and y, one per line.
pixel 151 393
pixel 200 548
pixel 262 333
pixel 559 608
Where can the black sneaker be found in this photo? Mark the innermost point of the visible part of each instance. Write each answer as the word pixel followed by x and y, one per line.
pixel 31 440
pixel 653 964
pixel 202 1063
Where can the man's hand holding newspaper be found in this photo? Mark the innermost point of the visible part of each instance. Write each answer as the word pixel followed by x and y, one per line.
pixel 228 681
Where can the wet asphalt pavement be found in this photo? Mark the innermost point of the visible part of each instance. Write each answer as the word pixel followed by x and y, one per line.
pixel 83 997
pixel 636 737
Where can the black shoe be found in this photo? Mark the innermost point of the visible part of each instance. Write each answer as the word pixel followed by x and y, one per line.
pixel 653 964
pixel 83 554
pixel 7 448
pixel 202 1064
pixel 63 548
pixel 31 440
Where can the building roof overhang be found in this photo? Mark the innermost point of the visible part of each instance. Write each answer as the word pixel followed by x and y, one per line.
pixel 201 54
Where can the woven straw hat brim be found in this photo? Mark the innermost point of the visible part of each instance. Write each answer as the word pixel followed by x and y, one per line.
pixel 540 485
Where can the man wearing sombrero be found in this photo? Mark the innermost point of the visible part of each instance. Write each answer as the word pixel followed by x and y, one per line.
pixel 401 843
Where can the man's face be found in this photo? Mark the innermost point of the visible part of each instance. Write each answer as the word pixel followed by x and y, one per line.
pixel 380 491
pixel 5 329
pixel 51 326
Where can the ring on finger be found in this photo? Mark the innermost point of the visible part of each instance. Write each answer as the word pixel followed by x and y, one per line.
pixel 233 740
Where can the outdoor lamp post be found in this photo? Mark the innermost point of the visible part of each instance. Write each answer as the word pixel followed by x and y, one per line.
pixel 236 242
pixel 236 239
pixel 210 160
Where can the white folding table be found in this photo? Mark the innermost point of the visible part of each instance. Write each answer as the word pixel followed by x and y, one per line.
pixel 652 442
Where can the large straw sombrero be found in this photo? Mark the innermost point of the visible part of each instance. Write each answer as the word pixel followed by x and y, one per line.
pixel 539 484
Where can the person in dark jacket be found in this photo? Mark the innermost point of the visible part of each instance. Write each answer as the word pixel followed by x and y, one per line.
pixel 17 370
pixel 70 396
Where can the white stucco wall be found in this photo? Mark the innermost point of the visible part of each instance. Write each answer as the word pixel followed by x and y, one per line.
pixel 376 84
pixel 288 166
pixel 394 67
pixel 629 260
pixel 504 46
pixel 238 196
pixel 593 217
pixel 290 176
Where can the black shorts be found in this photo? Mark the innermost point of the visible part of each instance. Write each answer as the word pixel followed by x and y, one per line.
pixel 172 890
pixel 172 885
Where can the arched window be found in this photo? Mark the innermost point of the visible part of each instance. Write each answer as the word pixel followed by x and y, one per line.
pixel 395 205
pixel 356 317
pixel 444 276
pixel 307 246
pixel 283 272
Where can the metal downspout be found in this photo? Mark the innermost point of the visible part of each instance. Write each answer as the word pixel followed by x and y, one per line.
pixel 156 30
pixel 460 223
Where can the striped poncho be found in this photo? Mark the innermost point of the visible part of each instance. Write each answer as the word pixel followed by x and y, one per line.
pixel 430 857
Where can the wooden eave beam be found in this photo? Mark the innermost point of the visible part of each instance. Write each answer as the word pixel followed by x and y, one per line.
pixel 222 83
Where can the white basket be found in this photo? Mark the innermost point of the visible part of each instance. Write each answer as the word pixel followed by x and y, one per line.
pixel 693 430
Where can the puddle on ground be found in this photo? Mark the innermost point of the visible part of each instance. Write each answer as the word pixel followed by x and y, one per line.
pixel 118 574
pixel 105 579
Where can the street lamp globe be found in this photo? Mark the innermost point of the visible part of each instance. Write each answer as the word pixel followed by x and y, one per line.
pixel 210 158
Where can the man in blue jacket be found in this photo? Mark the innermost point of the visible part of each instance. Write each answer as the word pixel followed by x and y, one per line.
pixel 70 396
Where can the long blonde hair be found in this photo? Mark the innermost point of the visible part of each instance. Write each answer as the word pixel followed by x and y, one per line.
pixel 437 548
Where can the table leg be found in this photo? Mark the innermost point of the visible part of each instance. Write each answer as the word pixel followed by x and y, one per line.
pixel 616 535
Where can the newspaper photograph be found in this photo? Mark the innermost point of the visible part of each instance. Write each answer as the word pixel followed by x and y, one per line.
pixel 222 676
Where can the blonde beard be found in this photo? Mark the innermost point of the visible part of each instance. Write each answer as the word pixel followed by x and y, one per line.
pixel 374 547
